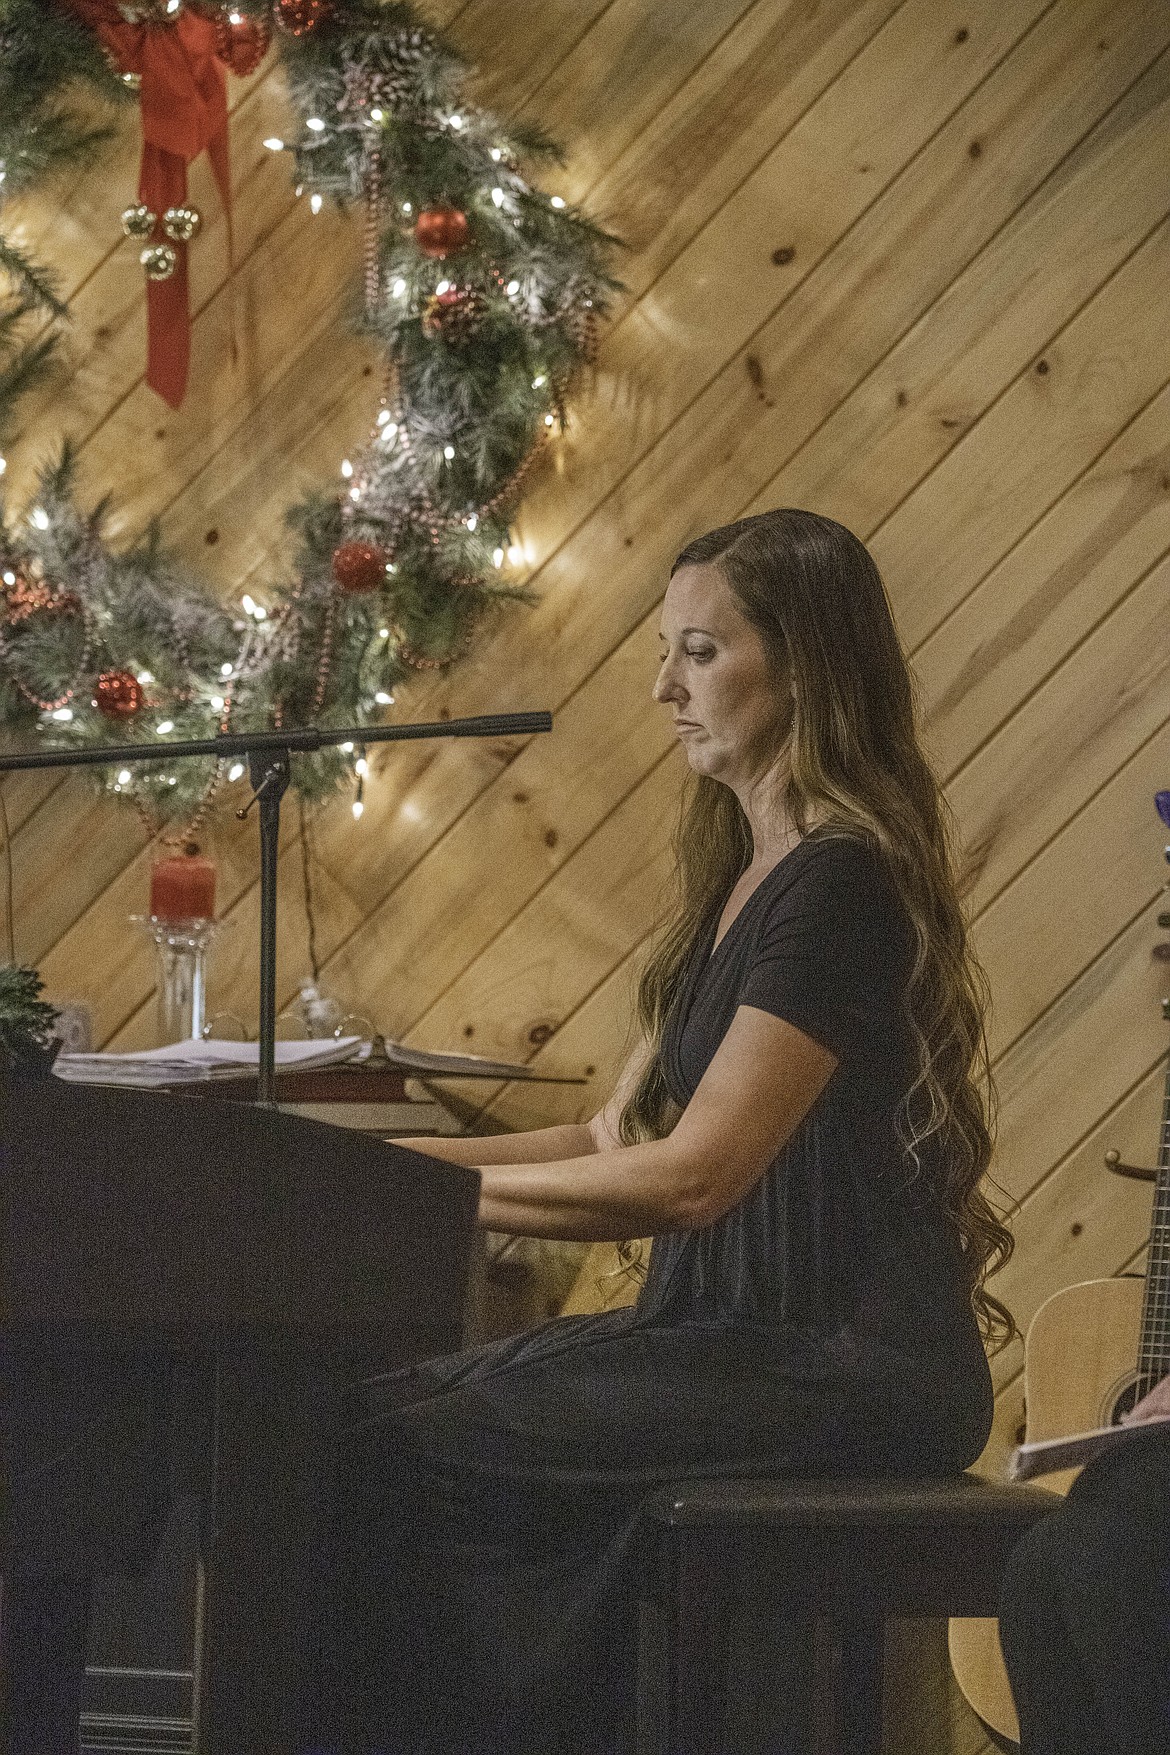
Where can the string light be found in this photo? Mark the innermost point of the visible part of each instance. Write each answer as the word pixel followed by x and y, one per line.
pixel 497 557
pixel 498 197
pixel 226 669
pixel 443 286
pixel 398 288
pixel 347 749
pixel 315 203
pixel 40 518
pixel 515 553
pixel 163 726
pixel 448 452
pixel 274 143
pixel 361 766
pixel 456 121
pixel 557 201
pixel 471 520
pixel 247 604
pixel 383 699
pixel 537 382
pixel 347 468
pixel 406 207
pixel 9 577
pixel 235 771
pixel 3 464
pixel 64 714
pixel 355 493
pixel 497 155
pixel 316 124
pixel 357 807
pixel 550 420
pixel 376 115
pixel 383 633
pixel 217 703
pixel 124 777
pixel 512 287
pixel 383 416
pixel 145 677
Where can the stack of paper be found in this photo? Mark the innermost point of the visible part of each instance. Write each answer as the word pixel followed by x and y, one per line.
pixel 183 1062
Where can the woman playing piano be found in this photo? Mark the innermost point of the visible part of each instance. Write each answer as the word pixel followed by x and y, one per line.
pixel 800 1131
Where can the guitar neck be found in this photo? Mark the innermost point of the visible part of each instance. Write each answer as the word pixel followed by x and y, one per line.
pixel 1153 1362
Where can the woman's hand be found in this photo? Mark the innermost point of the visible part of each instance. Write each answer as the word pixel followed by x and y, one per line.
pixel 1154 1406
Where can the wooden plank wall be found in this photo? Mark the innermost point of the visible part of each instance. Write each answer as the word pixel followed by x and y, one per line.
pixel 900 261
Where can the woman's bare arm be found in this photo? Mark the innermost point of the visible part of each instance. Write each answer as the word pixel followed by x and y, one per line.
pixel 762 1081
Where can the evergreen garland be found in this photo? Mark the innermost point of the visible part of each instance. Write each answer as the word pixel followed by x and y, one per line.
pixel 481 293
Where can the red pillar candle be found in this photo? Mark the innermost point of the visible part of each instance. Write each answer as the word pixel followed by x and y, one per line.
pixel 183 888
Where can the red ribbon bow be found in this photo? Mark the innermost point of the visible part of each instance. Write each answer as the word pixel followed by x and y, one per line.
pixel 184 112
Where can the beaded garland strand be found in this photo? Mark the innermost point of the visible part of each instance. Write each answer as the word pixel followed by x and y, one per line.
pixel 484 296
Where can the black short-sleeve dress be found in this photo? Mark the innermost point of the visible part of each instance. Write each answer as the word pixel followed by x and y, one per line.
pixel 485 1555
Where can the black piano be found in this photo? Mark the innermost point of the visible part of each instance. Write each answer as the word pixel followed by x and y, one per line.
pixel 271 1261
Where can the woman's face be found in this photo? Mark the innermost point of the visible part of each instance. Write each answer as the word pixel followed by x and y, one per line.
pixel 731 713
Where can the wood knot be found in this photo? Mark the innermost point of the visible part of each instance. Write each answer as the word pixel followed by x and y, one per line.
pixel 211 537
pixel 784 255
pixel 755 372
pixel 901 398
pixel 1041 368
pixel 519 798
pixel 975 150
pixel 1075 1228
pixel 469 1029
pixel 540 1034
pixel 629 542
pixel 444 712
pixel 550 837
pixel 962 34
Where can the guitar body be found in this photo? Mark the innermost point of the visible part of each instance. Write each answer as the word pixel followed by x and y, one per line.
pixel 1079 1372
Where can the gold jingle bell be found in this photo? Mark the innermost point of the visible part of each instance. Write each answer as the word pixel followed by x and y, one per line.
pixel 182 223
pixel 159 261
pixel 138 221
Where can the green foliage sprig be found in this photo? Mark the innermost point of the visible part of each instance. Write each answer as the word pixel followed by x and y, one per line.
pixel 26 1020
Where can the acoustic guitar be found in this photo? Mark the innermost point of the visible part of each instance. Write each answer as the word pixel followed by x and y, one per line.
pixel 1080 1372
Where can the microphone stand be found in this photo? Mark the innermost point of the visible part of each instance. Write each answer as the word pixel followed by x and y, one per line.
pixel 268 754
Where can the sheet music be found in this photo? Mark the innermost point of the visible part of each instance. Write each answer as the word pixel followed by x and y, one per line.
pixel 1048 1454
pixel 180 1063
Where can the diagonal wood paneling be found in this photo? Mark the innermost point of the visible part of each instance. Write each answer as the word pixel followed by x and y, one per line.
pixel 902 261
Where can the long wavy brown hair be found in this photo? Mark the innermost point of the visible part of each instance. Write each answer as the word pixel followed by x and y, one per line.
pixel 815 597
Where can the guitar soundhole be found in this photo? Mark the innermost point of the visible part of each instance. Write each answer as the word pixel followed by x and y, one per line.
pixel 1129 1398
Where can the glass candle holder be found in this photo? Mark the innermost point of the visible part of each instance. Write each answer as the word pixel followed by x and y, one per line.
pixel 181 947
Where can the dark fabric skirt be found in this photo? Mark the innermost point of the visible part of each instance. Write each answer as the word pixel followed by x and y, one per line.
pixel 480 1591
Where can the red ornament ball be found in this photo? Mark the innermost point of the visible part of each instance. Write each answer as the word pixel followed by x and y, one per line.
pixel 118 694
pixel 441 231
pixel 301 17
pixel 359 567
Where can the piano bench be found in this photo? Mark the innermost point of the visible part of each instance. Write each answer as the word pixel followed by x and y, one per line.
pixel 842 1554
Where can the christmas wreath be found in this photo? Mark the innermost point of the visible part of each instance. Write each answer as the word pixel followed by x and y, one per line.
pixel 481 292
